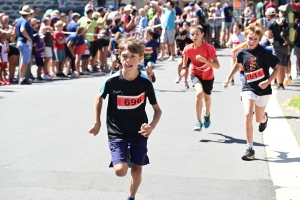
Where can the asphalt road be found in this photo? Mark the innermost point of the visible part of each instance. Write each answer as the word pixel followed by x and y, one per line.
pixel 47 153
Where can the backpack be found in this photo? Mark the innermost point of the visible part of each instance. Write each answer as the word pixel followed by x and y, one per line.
pixel 289 25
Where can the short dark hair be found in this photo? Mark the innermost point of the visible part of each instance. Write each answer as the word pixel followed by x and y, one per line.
pixel 200 3
pixel 89 11
pixel 117 20
pixel 171 3
pixel 182 31
pixel 199 27
pixel 34 7
pixel 150 32
pixel 187 23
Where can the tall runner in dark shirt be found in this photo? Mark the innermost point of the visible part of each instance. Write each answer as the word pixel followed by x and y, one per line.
pixel 181 41
pixel 127 123
pixel 256 90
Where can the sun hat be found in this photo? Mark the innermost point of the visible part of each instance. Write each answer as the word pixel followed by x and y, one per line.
pixel 127 8
pixel 26 10
pixel 41 35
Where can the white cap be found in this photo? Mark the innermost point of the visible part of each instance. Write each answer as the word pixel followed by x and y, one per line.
pixel 270 11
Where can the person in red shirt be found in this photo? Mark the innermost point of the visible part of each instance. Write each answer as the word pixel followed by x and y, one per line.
pixel 203 60
pixel 59 39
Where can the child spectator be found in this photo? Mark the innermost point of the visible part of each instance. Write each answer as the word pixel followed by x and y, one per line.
pixel 105 43
pixel 85 58
pixel 114 48
pixel 39 49
pixel 181 41
pixel 59 39
pixel 4 48
pixel 150 54
pixel 143 23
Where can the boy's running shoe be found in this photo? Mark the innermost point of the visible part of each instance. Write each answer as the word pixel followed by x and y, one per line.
pixel 206 119
pixel 249 154
pixel 198 126
pixel 263 126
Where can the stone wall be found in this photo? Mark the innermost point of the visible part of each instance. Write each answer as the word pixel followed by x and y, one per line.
pixel 12 7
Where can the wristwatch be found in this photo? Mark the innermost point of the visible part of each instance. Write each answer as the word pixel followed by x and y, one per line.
pixel 183 67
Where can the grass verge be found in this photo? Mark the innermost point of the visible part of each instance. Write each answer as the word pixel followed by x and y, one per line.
pixel 295 102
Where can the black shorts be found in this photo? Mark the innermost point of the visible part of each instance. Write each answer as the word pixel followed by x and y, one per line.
pixel 100 44
pixel 39 62
pixel 13 51
pixel 93 48
pixel 206 84
pixel 105 43
pixel 68 53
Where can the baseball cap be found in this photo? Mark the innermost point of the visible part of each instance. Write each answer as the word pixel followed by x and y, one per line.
pixel 192 4
pixel 111 7
pixel 41 35
pixel 33 20
pixel 49 11
pixel 270 11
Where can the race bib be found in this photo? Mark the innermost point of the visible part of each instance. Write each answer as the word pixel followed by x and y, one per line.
pixel 130 102
pixel 148 50
pixel 116 51
pixel 42 55
pixel 255 75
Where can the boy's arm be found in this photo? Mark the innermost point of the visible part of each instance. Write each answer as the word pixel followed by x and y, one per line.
pixel 234 69
pixel 97 111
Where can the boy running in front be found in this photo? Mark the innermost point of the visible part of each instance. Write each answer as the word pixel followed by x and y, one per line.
pixel 204 59
pixel 127 121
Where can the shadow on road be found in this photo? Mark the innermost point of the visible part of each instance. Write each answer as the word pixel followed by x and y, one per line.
pixel 230 140
pixel 7 91
pixel 285 117
pixel 281 158
pixel 170 90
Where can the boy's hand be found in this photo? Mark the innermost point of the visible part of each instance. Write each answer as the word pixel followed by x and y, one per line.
pixel 95 129
pixel 225 83
pixel 182 73
pixel 146 130
pixel 263 84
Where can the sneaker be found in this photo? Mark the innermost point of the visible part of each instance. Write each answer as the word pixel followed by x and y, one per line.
pixel 263 126
pixel 95 70
pixel 47 77
pixel 32 77
pixel 298 75
pixel 287 81
pixel 86 73
pixel 206 122
pixel 249 155
pixel 2 83
pixel 13 81
pixel 232 82
pixel 186 85
pixel 7 82
pixel 171 58
pixel 39 78
pixel 75 75
pixel 25 82
pixel 198 126
pixel 178 79
pixel 160 58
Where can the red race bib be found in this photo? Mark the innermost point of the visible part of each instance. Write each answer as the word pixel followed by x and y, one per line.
pixel 130 102
pixel 116 51
pixel 255 75
pixel 148 50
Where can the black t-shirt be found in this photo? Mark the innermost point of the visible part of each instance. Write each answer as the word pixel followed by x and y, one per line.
pixel 115 29
pixel 256 65
pixel 182 43
pixel 126 105
pixel 276 29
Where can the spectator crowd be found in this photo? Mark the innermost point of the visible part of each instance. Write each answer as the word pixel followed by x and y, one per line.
pixel 70 45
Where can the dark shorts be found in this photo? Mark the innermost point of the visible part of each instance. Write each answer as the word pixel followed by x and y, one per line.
pixel 13 51
pixel 39 62
pixel 104 42
pixel 281 53
pixel 93 48
pixel 85 57
pixel 68 53
pixel 119 152
pixel 206 84
pixel 100 44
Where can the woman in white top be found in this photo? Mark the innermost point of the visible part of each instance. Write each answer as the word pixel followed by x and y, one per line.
pixel 248 13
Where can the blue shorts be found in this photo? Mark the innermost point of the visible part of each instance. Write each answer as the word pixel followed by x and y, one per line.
pixel 119 152
pixel 25 51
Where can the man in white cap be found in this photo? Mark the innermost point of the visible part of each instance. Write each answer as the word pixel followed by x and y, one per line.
pixel 24 44
pixel 128 19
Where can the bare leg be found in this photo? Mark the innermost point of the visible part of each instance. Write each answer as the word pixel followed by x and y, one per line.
pixel 136 173
pixel 199 100
pixel 248 117
pixel 207 99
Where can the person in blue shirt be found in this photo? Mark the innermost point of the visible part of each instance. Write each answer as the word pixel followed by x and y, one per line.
pixel 143 23
pixel 72 26
pixel 227 23
pixel 150 54
pixel 24 43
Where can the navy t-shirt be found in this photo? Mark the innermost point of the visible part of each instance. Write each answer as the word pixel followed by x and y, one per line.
pixel 150 53
pixel 228 13
pixel 178 11
pixel 75 39
pixel 23 23
pixel 72 26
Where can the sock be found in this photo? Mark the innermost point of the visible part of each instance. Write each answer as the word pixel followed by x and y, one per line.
pixel 129 198
pixel 22 79
pixel 250 145
pixel 286 76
